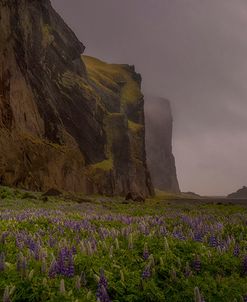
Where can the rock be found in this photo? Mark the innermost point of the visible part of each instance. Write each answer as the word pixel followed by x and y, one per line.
pixel 52 192
pixel 160 158
pixel 66 120
pixel 28 195
pixel 77 199
pixel 135 197
pixel 239 194
pixel 44 199
pixel 83 200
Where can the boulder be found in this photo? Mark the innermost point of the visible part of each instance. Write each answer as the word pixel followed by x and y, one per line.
pixel 137 197
pixel 52 192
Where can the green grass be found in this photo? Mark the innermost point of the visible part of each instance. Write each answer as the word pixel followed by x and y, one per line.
pixel 168 195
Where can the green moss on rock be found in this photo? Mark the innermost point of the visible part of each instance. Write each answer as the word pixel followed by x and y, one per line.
pixel 105 165
pixel 135 127
pixel 114 76
pixel 48 37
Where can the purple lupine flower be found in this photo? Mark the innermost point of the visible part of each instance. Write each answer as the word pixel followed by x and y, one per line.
pixel 103 280
pixel 70 268
pixel 198 236
pixel 101 293
pixel 2 262
pixel 213 241
pixel 245 298
pixel 244 265
pixel 178 234
pixel 236 251
pixel 73 249
pixel 197 264
pixel 31 244
pixel 65 263
pixel 146 272
pixel 37 251
pixel 145 252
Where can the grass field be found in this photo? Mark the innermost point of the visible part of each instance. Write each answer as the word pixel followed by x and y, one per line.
pixel 99 248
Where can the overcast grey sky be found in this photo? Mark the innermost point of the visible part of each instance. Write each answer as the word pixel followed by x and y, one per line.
pixel 193 52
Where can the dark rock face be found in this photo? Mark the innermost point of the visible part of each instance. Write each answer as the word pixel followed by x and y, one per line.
pixel 160 159
pixel 63 124
pixel 241 194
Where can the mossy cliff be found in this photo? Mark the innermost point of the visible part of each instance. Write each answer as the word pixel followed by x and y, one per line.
pixel 66 120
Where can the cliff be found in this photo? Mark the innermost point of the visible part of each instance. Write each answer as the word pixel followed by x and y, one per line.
pixel 160 159
pixel 66 121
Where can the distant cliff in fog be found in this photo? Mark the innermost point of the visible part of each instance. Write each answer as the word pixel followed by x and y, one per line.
pixel 160 158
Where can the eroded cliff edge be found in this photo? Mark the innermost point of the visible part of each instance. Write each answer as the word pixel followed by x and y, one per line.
pixel 66 121
pixel 161 162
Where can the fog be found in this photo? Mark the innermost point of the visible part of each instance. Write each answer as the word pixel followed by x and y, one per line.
pixel 193 52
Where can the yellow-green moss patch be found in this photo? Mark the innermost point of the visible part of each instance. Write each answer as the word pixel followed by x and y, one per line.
pixel 97 172
pixel 134 126
pixel 105 165
pixel 69 79
pixel 48 38
pixel 114 76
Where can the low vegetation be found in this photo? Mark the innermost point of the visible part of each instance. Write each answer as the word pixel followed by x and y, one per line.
pixel 108 249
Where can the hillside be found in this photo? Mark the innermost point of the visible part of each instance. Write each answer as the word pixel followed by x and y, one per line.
pixel 241 193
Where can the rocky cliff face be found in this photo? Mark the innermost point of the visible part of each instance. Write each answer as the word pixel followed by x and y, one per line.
pixel 161 161
pixel 66 121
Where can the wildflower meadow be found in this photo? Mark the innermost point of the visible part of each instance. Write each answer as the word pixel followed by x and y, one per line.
pixel 107 249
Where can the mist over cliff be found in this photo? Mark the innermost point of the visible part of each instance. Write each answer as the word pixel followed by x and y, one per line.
pixel 161 162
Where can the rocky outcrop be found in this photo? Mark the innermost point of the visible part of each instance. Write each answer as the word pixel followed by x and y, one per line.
pixel 67 122
pixel 239 194
pixel 160 159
